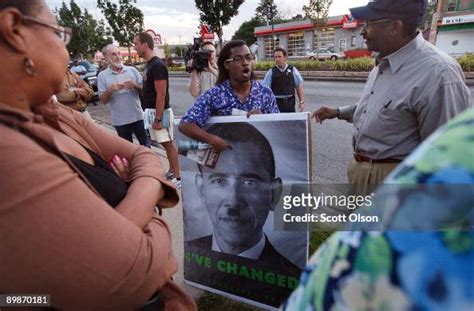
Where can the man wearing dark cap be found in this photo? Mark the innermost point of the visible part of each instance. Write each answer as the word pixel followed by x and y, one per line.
pixel 413 89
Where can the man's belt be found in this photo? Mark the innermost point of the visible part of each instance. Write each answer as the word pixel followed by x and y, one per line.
pixel 362 158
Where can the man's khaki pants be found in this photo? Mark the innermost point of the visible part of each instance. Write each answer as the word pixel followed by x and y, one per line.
pixel 367 176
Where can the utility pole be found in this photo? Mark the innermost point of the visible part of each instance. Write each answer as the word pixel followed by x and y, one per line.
pixel 273 33
pixel 268 11
pixel 437 19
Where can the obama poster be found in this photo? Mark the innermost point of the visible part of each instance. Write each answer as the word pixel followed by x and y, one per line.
pixel 232 246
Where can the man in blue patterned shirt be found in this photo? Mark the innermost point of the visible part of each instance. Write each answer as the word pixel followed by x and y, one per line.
pixel 235 88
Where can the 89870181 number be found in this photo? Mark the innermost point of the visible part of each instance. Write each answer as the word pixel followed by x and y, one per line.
pixel 24 300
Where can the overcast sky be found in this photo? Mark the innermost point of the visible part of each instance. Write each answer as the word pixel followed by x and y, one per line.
pixel 177 20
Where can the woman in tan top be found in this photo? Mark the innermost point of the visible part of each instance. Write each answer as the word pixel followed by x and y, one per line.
pixel 63 231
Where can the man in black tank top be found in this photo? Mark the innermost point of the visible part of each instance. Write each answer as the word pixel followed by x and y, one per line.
pixel 284 79
pixel 156 99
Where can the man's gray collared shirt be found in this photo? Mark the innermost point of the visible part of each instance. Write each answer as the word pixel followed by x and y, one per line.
pixel 411 93
pixel 124 105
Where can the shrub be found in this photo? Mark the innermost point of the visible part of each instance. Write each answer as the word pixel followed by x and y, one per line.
pixel 264 66
pixel 306 64
pixel 353 64
pixel 467 62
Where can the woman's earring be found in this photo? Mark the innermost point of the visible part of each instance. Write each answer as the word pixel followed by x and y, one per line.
pixel 29 66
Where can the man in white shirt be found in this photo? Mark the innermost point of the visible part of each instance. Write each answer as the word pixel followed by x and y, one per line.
pixel 414 89
pixel 78 68
pixel 119 88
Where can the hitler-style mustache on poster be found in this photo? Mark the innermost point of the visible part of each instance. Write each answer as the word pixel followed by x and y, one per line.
pixel 232 247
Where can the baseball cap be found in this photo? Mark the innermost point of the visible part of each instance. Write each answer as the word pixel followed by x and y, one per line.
pixel 411 11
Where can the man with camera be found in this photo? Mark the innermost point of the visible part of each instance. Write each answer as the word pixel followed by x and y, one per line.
pixel 204 69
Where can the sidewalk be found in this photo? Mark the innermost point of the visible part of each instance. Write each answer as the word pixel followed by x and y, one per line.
pixel 343 76
pixel 173 216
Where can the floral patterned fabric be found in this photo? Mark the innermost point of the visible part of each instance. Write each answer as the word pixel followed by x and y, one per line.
pixel 221 99
pixel 404 270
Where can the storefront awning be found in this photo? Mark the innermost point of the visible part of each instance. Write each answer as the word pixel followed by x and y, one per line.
pixel 345 21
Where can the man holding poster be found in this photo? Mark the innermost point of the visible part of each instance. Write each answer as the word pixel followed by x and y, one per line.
pixel 236 88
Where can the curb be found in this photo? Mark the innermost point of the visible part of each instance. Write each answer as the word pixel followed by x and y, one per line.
pixel 337 76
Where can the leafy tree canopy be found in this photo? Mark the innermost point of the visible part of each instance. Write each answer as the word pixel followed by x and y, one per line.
pixel 267 11
pixel 124 18
pixel 88 35
pixel 430 10
pixel 217 13
pixel 318 11
pixel 246 31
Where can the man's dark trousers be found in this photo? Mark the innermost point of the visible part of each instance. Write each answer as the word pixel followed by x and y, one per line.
pixel 138 128
pixel 286 104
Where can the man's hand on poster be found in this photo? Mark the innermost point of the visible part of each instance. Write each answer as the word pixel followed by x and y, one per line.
pixel 324 113
pixel 253 111
pixel 120 166
pixel 218 143
pixel 157 124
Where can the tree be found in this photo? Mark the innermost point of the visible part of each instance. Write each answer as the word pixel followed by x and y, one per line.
pixel 167 50
pixel 318 11
pixel 103 37
pixel 267 11
pixel 246 31
pixel 430 10
pixel 217 13
pixel 88 36
pixel 125 20
pixel 180 51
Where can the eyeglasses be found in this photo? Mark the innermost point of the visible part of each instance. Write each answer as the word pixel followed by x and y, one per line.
pixel 366 24
pixel 240 58
pixel 64 33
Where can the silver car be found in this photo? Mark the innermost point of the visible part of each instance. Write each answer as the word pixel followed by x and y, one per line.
pixel 324 54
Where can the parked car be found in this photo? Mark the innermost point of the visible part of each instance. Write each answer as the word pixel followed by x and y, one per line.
pixel 90 76
pixel 324 54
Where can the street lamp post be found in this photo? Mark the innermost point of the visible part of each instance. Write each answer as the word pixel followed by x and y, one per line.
pixel 437 18
pixel 269 14
pixel 273 35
